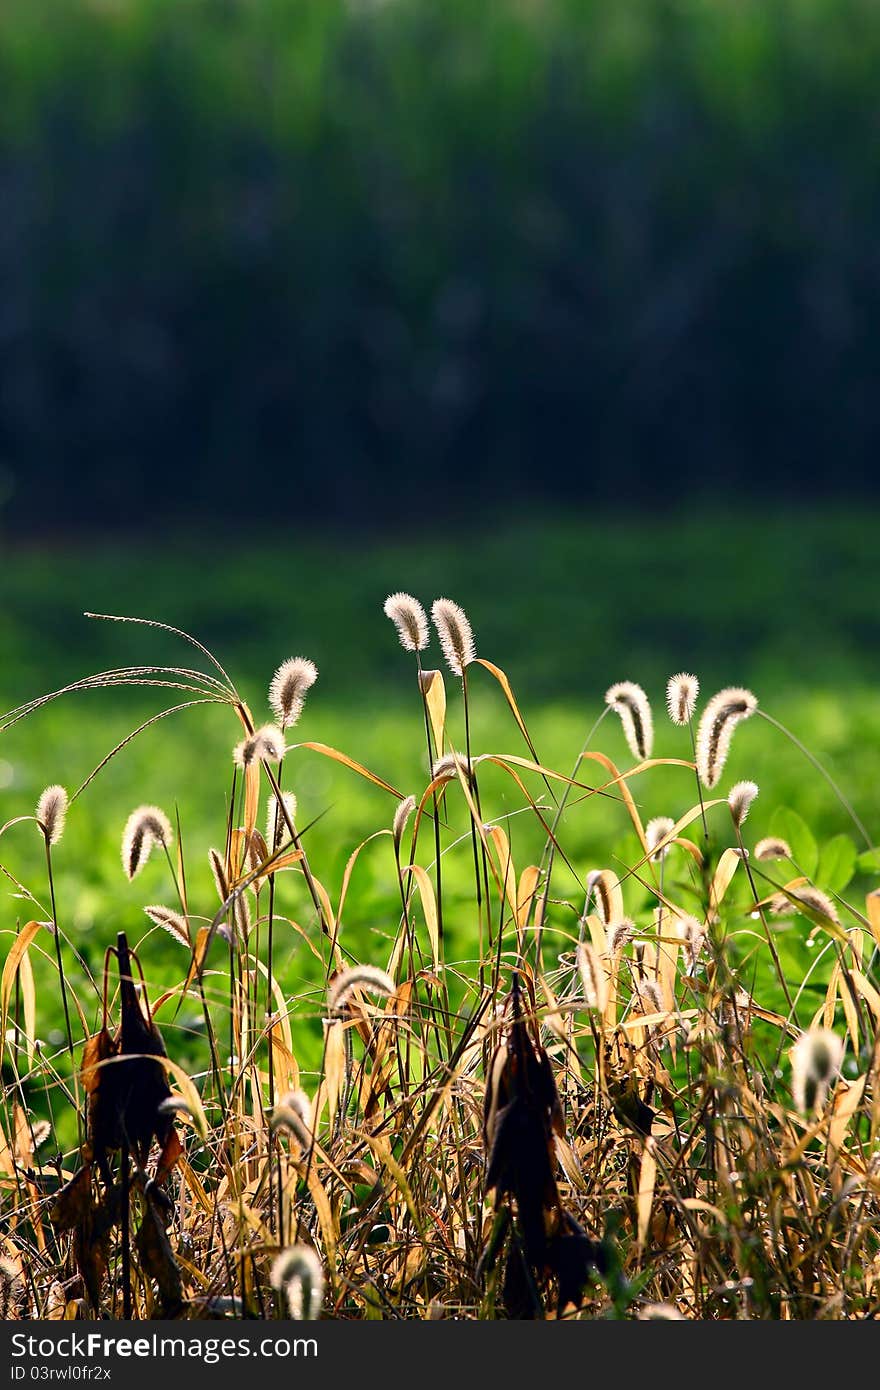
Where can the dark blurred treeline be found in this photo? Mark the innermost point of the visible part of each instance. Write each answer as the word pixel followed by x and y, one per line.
pixel 373 261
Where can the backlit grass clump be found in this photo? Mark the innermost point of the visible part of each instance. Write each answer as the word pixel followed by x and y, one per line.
pixel 553 1089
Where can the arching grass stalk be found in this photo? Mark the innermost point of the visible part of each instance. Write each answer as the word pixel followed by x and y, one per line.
pixel 792 738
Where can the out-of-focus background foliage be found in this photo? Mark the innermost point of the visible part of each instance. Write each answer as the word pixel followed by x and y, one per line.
pixel 370 261
pixel 568 309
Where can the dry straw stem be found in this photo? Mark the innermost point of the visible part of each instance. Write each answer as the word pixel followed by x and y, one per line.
pixel 52 812
pixel 681 697
pixel 720 717
pixel 740 800
pixel 146 827
pixel 456 637
pixel 410 619
pixel 630 702
pixel 289 687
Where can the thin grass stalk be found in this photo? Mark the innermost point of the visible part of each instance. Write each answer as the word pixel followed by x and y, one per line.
pixel 777 964
pixel 847 806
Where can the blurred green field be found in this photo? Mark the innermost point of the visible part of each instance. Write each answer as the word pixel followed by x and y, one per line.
pixel 784 605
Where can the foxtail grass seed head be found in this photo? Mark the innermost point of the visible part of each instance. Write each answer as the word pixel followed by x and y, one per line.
pixel 297 1274
pixel 656 831
pixel 593 978
pixel 740 800
pixel 815 1063
pixel 446 768
pixel 454 631
pixel 779 906
pixel 720 717
pixel 290 685
pixel 772 847
pixel 404 810
pixel 52 812
pixel 693 937
pixel 598 890
pixel 410 619
pixel 681 697
pixel 660 1312
pixel 368 977
pixel 145 828
pixel 618 934
pixel 652 996
pixel 276 824
pixel 630 702
pixel 814 900
pixel 265 745
pixel 294 1113
pixel 169 920
pixel 218 869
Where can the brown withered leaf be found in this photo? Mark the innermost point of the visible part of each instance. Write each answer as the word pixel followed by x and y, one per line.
pixel 157 1259
pixel 521 1114
pixel 124 1085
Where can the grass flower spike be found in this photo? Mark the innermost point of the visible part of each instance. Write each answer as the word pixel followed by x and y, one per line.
pixel 266 745
pixel 720 717
pixel 145 828
pixel 740 799
pixel 290 684
pixel 656 832
pixel 297 1273
pixel 52 812
pixel 410 619
pixel 630 701
pixel 454 631
pixel 681 697
pixel 815 1062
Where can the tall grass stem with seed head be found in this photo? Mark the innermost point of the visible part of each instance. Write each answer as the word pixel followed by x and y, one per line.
pixel 722 714
pixel 682 692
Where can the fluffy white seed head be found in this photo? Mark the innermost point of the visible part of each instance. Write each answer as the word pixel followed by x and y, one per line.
pixel 445 768
pixel 772 847
pixel 681 697
pixel 404 810
pixel 52 812
pixel 815 901
pixel 720 717
pixel 740 800
pixel 593 978
pixel 297 1273
pixel 368 977
pixel 456 636
pixel 290 684
pixel 294 1113
pixel 630 702
pixel 145 828
pixel 693 937
pixel 169 920
pixel 276 825
pixel 815 1062
pixel 264 745
pixel 656 832
pixel 410 619
pixel 617 934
